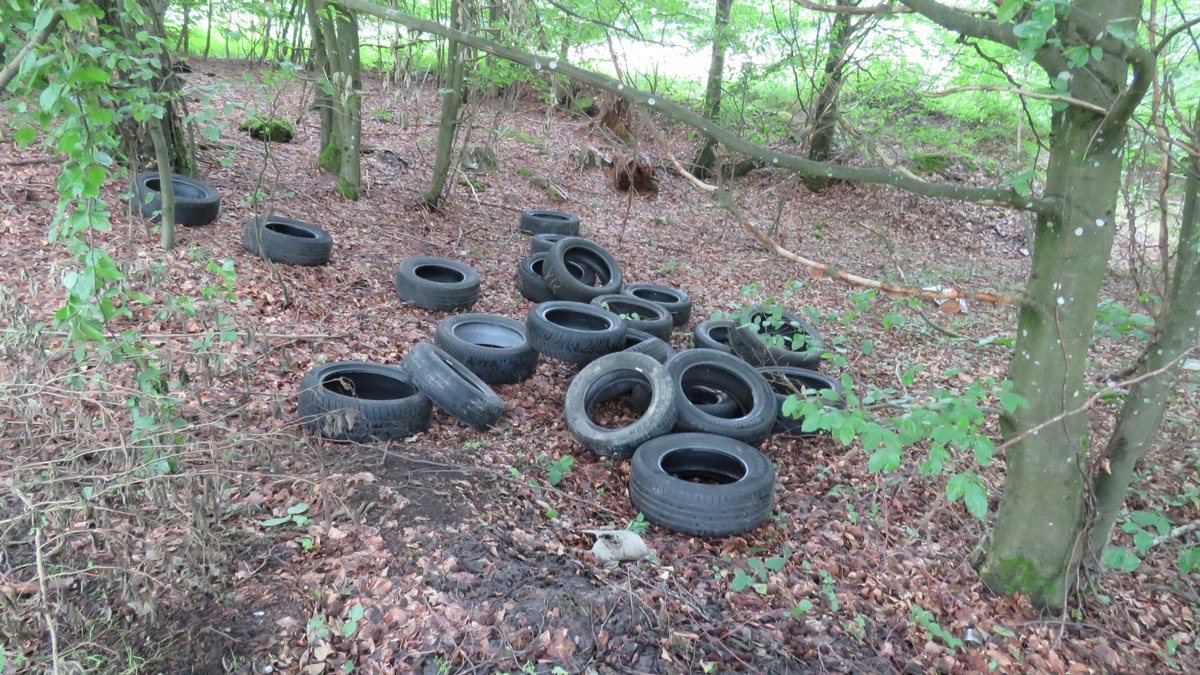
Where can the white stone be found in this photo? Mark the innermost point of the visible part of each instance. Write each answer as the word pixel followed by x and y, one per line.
pixel 1099 222
pixel 1076 394
pixel 1079 232
pixel 1062 300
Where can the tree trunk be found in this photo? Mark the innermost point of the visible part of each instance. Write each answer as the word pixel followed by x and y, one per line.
pixel 451 90
pixel 1038 541
pixel 706 157
pixel 208 27
pixel 1141 415
pixel 182 45
pixel 338 97
pixel 823 121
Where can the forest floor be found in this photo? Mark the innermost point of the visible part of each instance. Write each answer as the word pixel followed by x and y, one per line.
pixel 450 552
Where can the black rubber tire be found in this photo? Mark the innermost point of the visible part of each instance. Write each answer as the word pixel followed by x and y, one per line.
pixel 287 241
pixel 746 342
pixel 675 301
pixel 362 402
pixel 542 243
pixel 749 390
pixel 645 343
pixel 437 284
pixel 544 221
pixel 713 334
pixel 712 401
pixel 452 387
pixel 573 331
pixel 196 202
pixel 590 255
pixel 605 378
pixel 651 317
pixel 787 380
pixel 495 348
pixel 662 484
pixel 532 285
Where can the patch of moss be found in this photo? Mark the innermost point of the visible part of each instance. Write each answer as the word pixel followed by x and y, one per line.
pixel 348 190
pixel 330 159
pixel 931 162
pixel 269 128
pixel 1018 574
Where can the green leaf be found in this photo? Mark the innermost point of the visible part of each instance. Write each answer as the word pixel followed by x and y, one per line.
pixel 50 96
pixel 1008 10
pixel 1097 53
pixel 869 345
pixel 775 564
pixel 357 612
pixel 296 510
pixel 350 628
pixel 969 488
pixel 884 459
pixel 274 522
pixel 1010 401
pixel 91 74
pixel 1118 558
pixel 25 135
pixel 802 608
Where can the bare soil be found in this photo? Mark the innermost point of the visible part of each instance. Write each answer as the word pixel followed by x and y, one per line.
pixel 461 556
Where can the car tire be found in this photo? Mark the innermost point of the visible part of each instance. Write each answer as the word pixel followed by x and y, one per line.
pixel 748 389
pixel 713 334
pixel 287 241
pixel 532 285
pixel 645 343
pixel 437 284
pixel 544 221
pixel 361 402
pixel 736 496
pixel 675 301
pixel 712 401
pixel 747 341
pixel 542 243
pixel 495 348
pixel 196 202
pixel 573 331
pixel 564 286
pixel 651 318
pixel 452 386
pixel 607 377
pixel 788 380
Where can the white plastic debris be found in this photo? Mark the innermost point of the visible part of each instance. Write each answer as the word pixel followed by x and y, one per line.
pixel 957 306
pixel 617 546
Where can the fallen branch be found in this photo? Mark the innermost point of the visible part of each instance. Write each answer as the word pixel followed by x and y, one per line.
pixel 819 269
pixel 1175 533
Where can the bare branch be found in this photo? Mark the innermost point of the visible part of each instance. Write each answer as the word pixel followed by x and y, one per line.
pixel 1172 34
pixel 14 66
pixel 884 10
pixel 1020 92
pixel 963 23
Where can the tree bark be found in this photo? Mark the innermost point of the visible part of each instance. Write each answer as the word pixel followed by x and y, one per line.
pixel 823 121
pixel 338 97
pixel 706 157
pixel 208 27
pixel 451 89
pixel 1142 413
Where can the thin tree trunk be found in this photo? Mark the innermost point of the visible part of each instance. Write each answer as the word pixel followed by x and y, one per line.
pixel 166 187
pixel 182 45
pixel 328 158
pixel 823 121
pixel 451 101
pixel 208 27
pixel 706 157
pixel 1141 415
pixel 349 104
pixel 14 66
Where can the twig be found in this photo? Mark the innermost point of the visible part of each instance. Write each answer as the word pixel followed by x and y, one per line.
pixel 55 659
pixel 1175 533
pixel 1019 92
pixel 14 66
pixel 1092 399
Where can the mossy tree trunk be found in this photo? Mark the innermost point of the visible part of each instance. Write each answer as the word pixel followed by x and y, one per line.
pixel 824 116
pixel 706 156
pixel 339 93
pixel 451 89
pixel 1038 541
